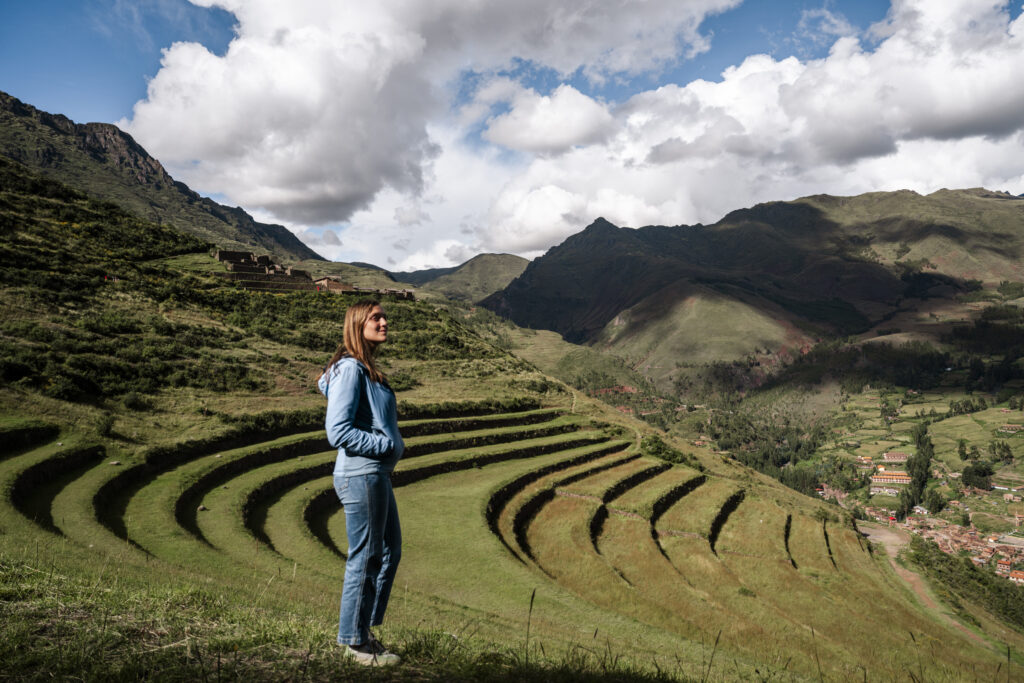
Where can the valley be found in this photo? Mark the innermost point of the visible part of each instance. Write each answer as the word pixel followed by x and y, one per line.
pixel 638 494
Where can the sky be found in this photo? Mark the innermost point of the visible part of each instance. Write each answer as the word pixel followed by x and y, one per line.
pixel 418 133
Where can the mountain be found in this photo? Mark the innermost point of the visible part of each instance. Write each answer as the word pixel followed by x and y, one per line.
pixel 368 266
pixel 770 278
pixel 477 278
pixel 104 161
pixel 471 281
pixel 356 273
pixel 422 277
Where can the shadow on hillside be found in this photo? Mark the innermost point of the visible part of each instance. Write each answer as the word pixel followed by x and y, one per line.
pixel 786 254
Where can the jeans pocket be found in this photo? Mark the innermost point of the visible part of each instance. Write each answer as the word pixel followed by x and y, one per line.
pixel 341 488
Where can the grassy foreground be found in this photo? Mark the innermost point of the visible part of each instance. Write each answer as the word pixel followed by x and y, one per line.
pixel 113 624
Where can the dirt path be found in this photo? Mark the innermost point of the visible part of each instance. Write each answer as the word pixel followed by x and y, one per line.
pixel 893 540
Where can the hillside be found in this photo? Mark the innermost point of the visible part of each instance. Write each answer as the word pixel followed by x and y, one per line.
pixel 691 323
pixel 421 277
pixel 105 162
pixel 360 275
pixel 767 280
pixel 161 438
pixel 477 278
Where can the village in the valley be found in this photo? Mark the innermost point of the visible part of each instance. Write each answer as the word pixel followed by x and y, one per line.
pixel 986 525
pixel 1005 550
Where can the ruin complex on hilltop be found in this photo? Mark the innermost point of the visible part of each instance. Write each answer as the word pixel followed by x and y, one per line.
pixel 261 273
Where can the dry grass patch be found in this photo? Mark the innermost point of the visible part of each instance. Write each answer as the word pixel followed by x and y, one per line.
pixel 755 530
pixel 807 544
pixel 695 512
pixel 641 499
pixel 597 485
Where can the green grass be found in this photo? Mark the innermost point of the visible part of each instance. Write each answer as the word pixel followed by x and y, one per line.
pixel 695 511
pixel 694 323
pixel 107 625
pixel 630 594
pixel 259 570
pixel 505 504
pixel 597 485
pixel 641 499
pixel 479 277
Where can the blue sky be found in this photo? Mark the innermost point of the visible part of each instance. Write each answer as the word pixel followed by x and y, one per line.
pixel 91 60
pixel 419 135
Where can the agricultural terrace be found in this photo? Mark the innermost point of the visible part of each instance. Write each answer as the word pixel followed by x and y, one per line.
pixel 655 557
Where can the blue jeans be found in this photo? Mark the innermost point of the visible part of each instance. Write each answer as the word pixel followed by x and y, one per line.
pixel 374 549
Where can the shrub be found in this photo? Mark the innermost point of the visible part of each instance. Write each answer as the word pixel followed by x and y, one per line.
pixel 402 380
pixel 654 446
pixel 104 424
pixel 136 402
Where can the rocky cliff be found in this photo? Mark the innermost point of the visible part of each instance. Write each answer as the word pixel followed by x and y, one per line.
pixel 104 161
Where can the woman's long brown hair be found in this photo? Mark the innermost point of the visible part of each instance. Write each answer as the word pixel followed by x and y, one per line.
pixel 354 343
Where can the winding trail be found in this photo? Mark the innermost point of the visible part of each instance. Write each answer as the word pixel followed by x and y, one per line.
pixel 894 540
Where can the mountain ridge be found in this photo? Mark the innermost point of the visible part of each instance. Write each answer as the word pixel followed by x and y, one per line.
pixel 102 160
pixel 821 264
pixel 477 278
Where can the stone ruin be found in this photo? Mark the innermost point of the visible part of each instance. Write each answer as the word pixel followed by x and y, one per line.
pixel 260 272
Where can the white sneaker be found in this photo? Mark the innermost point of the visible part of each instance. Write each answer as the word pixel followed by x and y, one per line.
pixel 371 653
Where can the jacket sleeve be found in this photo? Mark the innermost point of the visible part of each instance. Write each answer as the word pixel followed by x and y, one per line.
pixel 343 391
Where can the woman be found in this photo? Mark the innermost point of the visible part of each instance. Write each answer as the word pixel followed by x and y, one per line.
pixel 362 423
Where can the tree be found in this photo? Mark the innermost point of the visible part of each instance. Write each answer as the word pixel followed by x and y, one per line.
pixel 1000 450
pixel 979 475
pixel 933 501
pixel 961 449
pixel 888 410
pixel 906 503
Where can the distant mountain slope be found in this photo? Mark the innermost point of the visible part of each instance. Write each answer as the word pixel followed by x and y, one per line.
pixel 358 274
pixel 825 264
pixel 478 277
pixel 422 277
pixel 693 323
pixel 106 162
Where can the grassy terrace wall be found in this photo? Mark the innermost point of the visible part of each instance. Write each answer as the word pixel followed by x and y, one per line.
pixel 533 504
pixel 603 532
pixel 20 436
pixel 186 507
pixel 112 497
pixel 487 437
pixel 414 428
pixel 500 499
pixel 33 488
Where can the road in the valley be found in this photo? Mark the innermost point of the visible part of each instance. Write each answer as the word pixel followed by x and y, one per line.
pixel 893 540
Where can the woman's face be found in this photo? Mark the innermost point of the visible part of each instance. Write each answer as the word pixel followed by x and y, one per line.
pixel 375 329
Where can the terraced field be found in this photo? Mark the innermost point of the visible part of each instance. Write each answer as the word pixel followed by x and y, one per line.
pixel 495 508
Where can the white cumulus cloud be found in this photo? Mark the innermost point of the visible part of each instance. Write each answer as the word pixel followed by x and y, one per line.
pixel 319 105
pixel 550 124
pixel 414 128
pixel 933 104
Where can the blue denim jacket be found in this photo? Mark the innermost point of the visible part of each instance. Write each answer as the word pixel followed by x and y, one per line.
pixel 362 420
